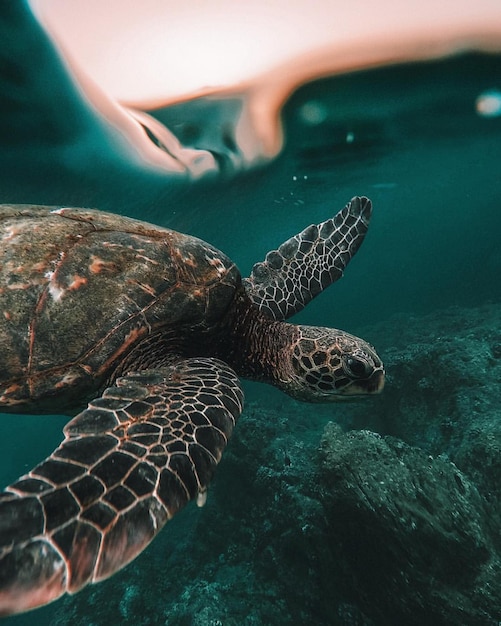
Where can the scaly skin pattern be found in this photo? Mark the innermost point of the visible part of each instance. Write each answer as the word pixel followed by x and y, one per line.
pixel 309 363
pixel 280 287
pixel 128 463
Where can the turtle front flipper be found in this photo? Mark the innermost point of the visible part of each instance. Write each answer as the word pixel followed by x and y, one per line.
pixel 128 463
pixel 303 266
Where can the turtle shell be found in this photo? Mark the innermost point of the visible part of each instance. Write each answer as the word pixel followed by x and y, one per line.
pixel 80 289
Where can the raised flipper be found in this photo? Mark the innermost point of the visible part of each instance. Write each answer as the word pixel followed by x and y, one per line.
pixel 128 463
pixel 290 277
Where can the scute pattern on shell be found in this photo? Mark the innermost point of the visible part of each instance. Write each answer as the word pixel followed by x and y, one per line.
pixel 79 288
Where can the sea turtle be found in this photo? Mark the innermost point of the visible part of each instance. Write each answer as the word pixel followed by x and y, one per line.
pixel 150 329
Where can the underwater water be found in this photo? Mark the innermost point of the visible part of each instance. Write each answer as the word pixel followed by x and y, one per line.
pixel 272 546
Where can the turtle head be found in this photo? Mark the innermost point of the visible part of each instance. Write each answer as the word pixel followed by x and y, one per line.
pixel 328 365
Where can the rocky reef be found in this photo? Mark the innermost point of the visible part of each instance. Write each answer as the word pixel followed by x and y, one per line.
pixel 411 533
pixel 378 513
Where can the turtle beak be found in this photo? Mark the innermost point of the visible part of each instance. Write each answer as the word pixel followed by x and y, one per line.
pixel 370 386
pixel 375 384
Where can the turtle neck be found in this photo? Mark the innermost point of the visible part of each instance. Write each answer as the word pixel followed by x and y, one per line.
pixel 252 343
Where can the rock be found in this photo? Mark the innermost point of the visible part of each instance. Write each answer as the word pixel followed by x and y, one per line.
pixel 410 533
pixel 442 392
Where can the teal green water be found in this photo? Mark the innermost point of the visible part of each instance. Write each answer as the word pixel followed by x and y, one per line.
pixel 408 137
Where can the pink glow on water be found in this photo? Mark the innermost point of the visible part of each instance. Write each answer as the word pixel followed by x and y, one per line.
pixel 155 50
pixel 152 53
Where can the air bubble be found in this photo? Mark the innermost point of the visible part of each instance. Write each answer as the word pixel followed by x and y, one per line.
pixel 488 103
pixel 313 113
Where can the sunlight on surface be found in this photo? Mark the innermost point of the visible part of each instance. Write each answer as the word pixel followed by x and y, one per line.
pixel 158 50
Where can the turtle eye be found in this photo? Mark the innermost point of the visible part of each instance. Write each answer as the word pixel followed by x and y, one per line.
pixel 356 367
